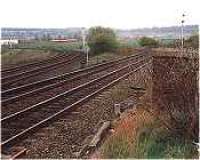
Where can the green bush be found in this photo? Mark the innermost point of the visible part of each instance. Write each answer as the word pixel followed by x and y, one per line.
pixel 148 42
pixel 192 41
pixel 101 39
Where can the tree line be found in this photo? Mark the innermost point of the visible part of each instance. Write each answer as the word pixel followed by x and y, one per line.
pixel 102 39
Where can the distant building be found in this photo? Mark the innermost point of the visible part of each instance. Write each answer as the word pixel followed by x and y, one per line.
pixel 9 42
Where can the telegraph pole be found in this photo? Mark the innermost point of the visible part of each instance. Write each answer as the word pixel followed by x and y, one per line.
pixel 83 37
pixel 84 44
pixel 182 32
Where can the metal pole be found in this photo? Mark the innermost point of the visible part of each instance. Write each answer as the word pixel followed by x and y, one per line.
pixel 182 32
pixel 85 48
pixel 87 55
pixel 83 38
pixel 182 35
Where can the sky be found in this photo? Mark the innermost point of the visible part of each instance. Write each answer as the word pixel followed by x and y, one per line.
pixel 121 14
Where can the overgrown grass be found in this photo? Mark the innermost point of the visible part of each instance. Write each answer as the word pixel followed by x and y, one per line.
pixel 20 56
pixel 160 144
pixel 103 57
pixel 118 147
pixel 35 50
pixel 147 141
pixel 46 46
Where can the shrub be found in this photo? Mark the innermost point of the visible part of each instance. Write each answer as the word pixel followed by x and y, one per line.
pixel 101 39
pixel 192 42
pixel 148 42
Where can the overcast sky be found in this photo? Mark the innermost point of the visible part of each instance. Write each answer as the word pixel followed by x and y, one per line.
pixel 123 14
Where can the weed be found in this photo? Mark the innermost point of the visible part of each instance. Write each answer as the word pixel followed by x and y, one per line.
pixel 158 143
pixel 116 147
pixel 142 137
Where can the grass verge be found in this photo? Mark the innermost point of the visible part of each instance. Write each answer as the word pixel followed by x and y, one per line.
pixel 141 136
pixel 20 56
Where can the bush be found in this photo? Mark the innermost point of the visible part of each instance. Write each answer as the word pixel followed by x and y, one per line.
pixel 101 39
pixel 148 42
pixel 192 42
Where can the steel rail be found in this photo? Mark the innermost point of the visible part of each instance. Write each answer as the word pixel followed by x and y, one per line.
pixel 62 82
pixel 59 77
pixel 6 84
pixel 18 154
pixel 37 69
pixel 47 101
pixel 33 128
pixel 16 68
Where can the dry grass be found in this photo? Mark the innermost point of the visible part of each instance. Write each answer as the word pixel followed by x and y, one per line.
pixel 107 56
pixel 174 52
pixel 141 135
pixel 20 56
pixel 134 121
pixel 129 51
pixel 124 139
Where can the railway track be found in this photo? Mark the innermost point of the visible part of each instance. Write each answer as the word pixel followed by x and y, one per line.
pixel 19 102
pixel 21 90
pixel 29 66
pixel 28 76
pixel 19 125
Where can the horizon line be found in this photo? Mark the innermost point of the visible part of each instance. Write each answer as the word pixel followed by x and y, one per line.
pixel 98 26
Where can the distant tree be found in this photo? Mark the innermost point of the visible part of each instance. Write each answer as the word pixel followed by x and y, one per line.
pixel 36 37
pixel 101 39
pixel 48 36
pixel 192 41
pixel 148 42
pixel 59 36
pixel 76 36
